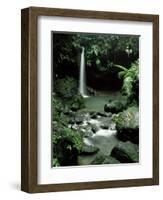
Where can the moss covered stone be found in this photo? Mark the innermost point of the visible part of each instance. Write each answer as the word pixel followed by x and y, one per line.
pixel 127 125
pixel 126 152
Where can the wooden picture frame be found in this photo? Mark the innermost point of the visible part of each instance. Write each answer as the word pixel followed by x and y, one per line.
pixel 29 97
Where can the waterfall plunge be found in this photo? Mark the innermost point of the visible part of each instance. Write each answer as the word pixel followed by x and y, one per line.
pixel 82 77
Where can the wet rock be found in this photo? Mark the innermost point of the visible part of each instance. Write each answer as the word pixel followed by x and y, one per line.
pixel 99 159
pixel 114 106
pixel 127 125
pixel 79 118
pixel 126 152
pixel 102 159
pixel 89 150
pixel 94 128
pixel 103 114
pixel 93 115
pixel 71 120
pixel 104 126
pixel 91 112
pixel 86 131
pixel 105 122
pixel 110 160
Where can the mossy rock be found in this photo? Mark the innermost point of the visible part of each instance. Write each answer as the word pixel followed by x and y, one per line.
pixel 126 152
pixel 99 159
pixel 111 160
pixel 127 125
pixel 128 118
pixel 88 150
pixel 103 159
pixel 115 106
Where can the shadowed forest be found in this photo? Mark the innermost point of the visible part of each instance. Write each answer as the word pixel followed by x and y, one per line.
pixel 95 99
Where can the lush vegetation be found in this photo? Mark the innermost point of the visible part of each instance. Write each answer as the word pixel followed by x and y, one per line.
pixel 67 143
pixel 130 86
pixel 102 53
pixel 112 64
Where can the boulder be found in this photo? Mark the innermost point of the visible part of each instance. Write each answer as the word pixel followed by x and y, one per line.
pixel 94 115
pixel 114 106
pixel 104 126
pixel 95 128
pixel 126 152
pixel 79 118
pixel 99 159
pixel 102 159
pixel 127 125
pixel 111 160
pixel 89 150
pixel 104 114
pixel 86 131
pixel 105 122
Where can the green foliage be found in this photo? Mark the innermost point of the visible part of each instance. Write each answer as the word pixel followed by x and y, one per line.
pixel 102 53
pixel 63 49
pixel 57 108
pixel 101 50
pixel 67 144
pixel 66 87
pixel 78 99
pixel 77 102
pixel 105 56
pixel 70 135
pixel 55 162
pixel 130 81
pixel 67 96
pixel 100 46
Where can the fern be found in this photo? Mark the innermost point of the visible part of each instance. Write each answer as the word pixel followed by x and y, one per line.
pixel 129 76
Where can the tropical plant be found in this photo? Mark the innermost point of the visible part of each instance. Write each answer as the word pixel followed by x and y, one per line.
pixel 130 77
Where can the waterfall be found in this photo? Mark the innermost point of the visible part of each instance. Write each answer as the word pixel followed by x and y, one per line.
pixel 82 77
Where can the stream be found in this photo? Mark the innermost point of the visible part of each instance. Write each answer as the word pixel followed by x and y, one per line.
pixel 104 133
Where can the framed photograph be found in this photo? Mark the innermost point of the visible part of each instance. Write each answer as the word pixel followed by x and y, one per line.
pixel 90 99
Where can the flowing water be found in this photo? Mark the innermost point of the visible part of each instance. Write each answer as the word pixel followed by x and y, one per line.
pixel 103 139
pixel 82 77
